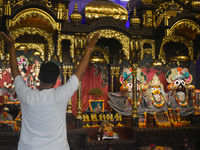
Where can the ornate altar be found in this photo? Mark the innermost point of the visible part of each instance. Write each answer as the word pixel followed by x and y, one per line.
pixel 147 72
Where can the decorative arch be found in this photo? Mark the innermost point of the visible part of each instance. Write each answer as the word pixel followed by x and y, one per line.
pixel 33 12
pixel 172 37
pixel 184 23
pixel 32 30
pixel 175 38
pixel 122 38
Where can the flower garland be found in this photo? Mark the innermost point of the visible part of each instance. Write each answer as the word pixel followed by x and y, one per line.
pixel 194 102
pixel 143 124
pixel 175 123
pixel 157 104
pixel 18 116
pixel 90 105
pixel 185 102
pixel 165 124
pixel 139 97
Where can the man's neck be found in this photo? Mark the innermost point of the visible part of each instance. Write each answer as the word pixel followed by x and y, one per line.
pixel 45 86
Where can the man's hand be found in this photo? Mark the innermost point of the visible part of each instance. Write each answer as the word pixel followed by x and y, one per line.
pixel 8 39
pixel 91 41
pixel 13 60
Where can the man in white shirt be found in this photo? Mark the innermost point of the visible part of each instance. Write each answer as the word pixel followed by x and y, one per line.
pixel 44 109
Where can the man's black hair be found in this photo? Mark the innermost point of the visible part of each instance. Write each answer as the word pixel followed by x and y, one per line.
pixel 49 72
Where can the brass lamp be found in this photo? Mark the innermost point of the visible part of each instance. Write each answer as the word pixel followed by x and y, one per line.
pixel 97 59
pixel 180 58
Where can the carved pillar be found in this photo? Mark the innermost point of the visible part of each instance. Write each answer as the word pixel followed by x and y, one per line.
pixel 64 74
pixel 112 73
pixel 79 120
pixel 135 55
pixel 117 78
pixel 134 91
pixel 69 106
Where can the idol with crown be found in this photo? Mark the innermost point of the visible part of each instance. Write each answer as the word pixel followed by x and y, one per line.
pixel 180 90
pixel 33 79
pixel 122 101
pixel 156 100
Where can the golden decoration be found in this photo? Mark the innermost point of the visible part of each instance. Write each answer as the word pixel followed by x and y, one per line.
pixel 150 51
pixel 62 37
pixel 79 103
pixel 76 16
pixel 32 30
pixel 195 4
pixel 174 38
pixel 162 12
pixel 179 58
pixel 68 70
pixel 184 23
pixel 99 9
pixel 135 20
pixel 61 11
pixel 122 38
pixel 27 46
pixel 134 90
pixel 33 12
pixel 2 52
pixel 156 63
pixel 146 1
pixel 112 73
pixel 149 18
pixel 98 59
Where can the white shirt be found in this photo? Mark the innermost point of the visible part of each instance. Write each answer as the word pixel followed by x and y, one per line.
pixel 44 115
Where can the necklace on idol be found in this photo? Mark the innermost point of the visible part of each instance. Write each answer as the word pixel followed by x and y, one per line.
pixel 157 103
pixel 185 102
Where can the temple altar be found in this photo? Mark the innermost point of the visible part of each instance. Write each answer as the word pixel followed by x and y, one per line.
pixel 141 89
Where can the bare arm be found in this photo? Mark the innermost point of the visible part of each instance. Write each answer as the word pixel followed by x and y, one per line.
pixel 90 43
pixel 13 59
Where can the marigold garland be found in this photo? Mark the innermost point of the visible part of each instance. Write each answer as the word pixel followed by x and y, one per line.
pixel 175 123
pixel 166 124
pixel 143 124
pixel 194 102
pixel 160 104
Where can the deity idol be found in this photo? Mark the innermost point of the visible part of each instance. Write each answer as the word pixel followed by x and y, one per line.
pixel 23 66
pixel 122 101
pixel 156 97
pixel 33 79
pixel 179 94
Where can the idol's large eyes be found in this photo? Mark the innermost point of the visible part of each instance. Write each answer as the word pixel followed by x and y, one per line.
pixel 129 84
pixel 177 82
pixel 153 89
pixel 182 82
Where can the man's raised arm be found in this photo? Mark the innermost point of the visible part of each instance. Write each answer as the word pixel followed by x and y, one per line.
pixel 13 59
pixel 90 43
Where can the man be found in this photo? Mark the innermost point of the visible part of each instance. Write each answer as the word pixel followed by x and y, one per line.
pixel 44 110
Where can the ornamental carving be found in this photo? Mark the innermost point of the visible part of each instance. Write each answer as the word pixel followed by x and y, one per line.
pixel 175 38
pixel 33 12
pixel 122 38
pixel 32 30
pixel 59 46
pixel 38 47
pixel 150 51
pixel 1 49
pixel 184 23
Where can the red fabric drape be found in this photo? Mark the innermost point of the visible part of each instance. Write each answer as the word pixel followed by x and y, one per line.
pixel 90 80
